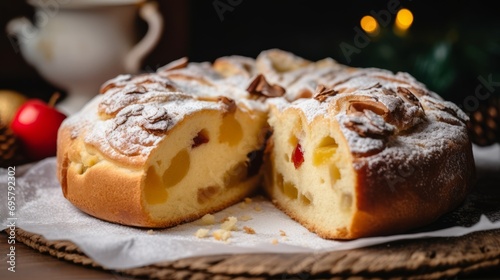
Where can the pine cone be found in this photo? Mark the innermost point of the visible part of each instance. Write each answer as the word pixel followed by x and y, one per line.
pixel 484 124
pixel 9 147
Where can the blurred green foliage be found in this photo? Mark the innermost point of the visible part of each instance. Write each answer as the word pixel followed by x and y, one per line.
pixel 447 58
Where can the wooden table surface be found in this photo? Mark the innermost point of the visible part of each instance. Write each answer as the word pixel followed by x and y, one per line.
pixel 31 264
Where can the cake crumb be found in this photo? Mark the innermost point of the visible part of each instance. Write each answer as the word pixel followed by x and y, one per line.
pixel 221 234
pixel 248 200
pixel 208 219
pixel 201 233
pixel 150 232
pixel 249 230
pixel 274 241
pixel 257 208
pixel 282 233
pixel 242 205
pixel 229 224
pixel 245 218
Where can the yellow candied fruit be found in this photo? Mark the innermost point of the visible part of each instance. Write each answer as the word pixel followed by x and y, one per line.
pixel 231 131
pixel 154 190
pixel 290 190
pixel 324 152
pixel 323 155
pixel 179 167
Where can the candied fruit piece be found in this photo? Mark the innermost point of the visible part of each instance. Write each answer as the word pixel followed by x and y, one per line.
pixel 179 167
pixel 200 139
pixel 255 160
pixel 324 151
pixel 298 156
pixel 290 190
pixel 154 190
pixel 231 131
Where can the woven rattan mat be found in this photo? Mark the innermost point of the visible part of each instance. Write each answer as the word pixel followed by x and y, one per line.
pixel 433 258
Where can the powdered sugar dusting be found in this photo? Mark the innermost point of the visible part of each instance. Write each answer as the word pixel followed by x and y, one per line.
pixel 135 113
pixel 378 111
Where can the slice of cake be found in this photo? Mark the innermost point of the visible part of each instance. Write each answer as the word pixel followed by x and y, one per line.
pixel 362 152
pixel 158 149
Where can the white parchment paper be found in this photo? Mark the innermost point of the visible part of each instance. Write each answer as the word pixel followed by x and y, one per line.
pixel 42 209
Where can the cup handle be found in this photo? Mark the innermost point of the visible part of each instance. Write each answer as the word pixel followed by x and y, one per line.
pixel 148 12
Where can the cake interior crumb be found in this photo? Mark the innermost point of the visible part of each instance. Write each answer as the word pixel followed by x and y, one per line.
pixel 229 224
pixel 245 218
pixel 221 234
pixel 202 233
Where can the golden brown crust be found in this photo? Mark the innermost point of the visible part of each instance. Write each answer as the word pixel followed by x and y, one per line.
pixel 115 194
pixel 102 190
pixel 416 196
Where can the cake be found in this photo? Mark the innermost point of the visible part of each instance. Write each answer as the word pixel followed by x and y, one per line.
pixel 346 152
pixel 362 152
pixel 159 149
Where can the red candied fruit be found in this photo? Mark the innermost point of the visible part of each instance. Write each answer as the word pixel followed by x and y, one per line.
pixel 298 156
pixel 200 139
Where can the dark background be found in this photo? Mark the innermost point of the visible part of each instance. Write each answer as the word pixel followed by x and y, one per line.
pixel 449 45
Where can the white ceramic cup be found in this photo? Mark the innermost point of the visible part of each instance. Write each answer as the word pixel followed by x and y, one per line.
pixel 78 44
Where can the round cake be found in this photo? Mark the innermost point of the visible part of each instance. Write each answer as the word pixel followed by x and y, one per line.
pixel 347 152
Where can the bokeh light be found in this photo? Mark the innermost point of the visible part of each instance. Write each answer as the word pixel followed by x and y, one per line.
pixel 369 25
pixel 404 19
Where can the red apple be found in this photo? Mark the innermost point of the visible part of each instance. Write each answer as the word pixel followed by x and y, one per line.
pixel 36 124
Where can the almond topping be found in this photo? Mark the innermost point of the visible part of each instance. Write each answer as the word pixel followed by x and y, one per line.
pixel 176 64
pixel 230 104
pixel 259 87
pixel 374 106
pixel 322 93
